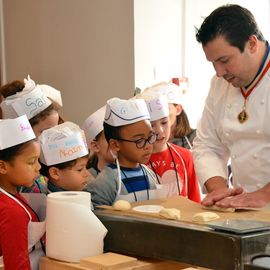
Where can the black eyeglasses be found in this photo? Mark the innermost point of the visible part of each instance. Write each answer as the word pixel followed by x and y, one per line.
pixel 142 142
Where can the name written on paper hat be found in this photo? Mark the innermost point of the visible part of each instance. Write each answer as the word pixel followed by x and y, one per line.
pixel 157 105
pixel 62 143
pixel 15 131
pixel 30 101
pixel 172 91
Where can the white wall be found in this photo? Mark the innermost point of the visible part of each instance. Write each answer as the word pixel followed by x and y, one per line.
pixel 158 41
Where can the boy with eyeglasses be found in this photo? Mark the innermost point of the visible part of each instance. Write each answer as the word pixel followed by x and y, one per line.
pixel 130 137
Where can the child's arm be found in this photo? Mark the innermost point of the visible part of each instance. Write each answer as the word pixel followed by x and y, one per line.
pixel 14 238
pixel 104 188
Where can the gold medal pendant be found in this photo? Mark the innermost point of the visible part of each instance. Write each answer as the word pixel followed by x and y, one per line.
pixel 242 116
pixel 246 91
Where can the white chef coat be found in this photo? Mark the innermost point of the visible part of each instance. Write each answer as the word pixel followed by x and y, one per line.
pixel 220 135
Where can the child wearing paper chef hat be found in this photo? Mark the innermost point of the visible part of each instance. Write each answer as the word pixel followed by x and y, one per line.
pixel 181 132
pixel 129 134
pixel 20 229
pixel 63 158
pixel 40 103
pixel 101 155
pixel 173 165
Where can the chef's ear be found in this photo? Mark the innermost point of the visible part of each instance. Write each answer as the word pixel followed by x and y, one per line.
pixel 253 44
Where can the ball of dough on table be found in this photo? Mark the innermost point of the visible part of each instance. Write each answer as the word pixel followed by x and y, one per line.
pixel 122 205
pixel 204 217
pixel 170 213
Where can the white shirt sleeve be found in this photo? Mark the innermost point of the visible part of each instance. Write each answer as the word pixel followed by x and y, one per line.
pixel 209 153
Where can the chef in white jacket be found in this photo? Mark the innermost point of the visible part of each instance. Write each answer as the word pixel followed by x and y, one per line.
pixel 235 121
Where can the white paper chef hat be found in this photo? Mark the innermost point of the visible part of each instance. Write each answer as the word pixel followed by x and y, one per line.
pixel 30 101
pixel 157 106
pixel 93 125
pixel 15 131
pixel 172 91
pixel 120 112
pixel 53 94
pixel 62 143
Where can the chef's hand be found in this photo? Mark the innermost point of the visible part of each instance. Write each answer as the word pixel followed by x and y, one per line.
pixel 218 190
pixel 256 199
pixel 219 195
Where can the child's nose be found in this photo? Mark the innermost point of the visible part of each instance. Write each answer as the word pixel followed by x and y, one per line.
pixel 38 167
pixel 158 130
pixel 86 173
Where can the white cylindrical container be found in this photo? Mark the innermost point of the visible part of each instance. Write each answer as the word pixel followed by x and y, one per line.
pixel 72 229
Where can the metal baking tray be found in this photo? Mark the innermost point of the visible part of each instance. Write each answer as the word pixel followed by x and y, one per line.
pixel 239 226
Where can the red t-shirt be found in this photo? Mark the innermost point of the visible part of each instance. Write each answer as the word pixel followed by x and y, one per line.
pixel 14 233
pixel 167 164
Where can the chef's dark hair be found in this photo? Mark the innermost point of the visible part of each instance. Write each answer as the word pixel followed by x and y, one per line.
pixel 233 22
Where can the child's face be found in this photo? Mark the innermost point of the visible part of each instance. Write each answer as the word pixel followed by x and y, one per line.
pixel 162 128
pixel 23 170
pixel 129 155
pixel 74 178
pixel 175 110
pixel 49 121
pixel 102 149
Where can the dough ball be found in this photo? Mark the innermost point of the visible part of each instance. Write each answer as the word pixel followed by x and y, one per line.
pixel 170 213
pixel 122 205
pixel 220 209
pixel 204 217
